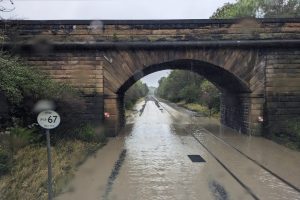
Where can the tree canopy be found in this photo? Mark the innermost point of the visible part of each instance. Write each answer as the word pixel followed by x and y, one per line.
pixel 259 9
pixel 135 92
pixel 190 87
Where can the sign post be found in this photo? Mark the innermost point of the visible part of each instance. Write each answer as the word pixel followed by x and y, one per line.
pixel 50 196
pixel 49 119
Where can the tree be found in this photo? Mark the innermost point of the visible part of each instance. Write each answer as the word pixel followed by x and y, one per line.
pixel 189 87
pixel 259 8
pixel 242 8
pixel 134 93
pixel 190 93
pixel 180 85
pixel 281 8
pixel 210 96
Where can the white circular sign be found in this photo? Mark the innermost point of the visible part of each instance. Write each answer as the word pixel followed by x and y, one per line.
pixel 48 119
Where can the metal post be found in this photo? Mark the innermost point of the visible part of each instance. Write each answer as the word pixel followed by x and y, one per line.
pixel 50 196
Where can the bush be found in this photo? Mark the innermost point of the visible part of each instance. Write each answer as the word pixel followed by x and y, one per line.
pixel 19 137
pixel 22 86
pixel 4 162
pixel 197 108
pixel 287 132
pixel 210 96
pixel 19 81
pixel 190 93
pixel 294 127
pixel 88 133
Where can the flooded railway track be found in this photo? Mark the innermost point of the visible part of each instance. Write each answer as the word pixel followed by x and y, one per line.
pixel 244 185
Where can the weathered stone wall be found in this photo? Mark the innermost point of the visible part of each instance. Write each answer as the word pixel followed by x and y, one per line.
pixel 151 31
pixel 235 111
pixel 114 105
pixel 282 86
pixel 81 69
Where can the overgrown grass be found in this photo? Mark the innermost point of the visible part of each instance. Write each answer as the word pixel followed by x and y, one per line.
pixel 200 109
pixel 28 177
pixel 25 167
pixel 23 164
pixel 287 132
pixel 4 161
pixel 87 133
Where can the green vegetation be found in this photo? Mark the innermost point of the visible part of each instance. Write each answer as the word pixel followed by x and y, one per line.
pixel 190 90
pixel 87 133
pixel 27 178
pixel 4 161
pixel 287 132
pixel 22 86
pixel 20 137
pixel 19 81
pixel 22 144
pixel 134 93
pixel 259 8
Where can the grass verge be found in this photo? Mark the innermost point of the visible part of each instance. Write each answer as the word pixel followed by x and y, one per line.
pixel 199 109
pixel 28 177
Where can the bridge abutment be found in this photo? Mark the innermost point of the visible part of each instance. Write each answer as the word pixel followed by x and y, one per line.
pixel 282 91
pixel 242 112
pixel 115 120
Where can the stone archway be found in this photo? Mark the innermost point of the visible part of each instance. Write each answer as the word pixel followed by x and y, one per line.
pixel 237 94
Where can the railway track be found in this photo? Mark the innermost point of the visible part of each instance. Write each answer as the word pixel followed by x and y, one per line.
pixel 247 188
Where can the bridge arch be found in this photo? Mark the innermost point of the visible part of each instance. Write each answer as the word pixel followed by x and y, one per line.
pixel 235 92
pixel 220 77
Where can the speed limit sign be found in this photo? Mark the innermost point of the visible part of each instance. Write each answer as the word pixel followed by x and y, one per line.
pixel 48 119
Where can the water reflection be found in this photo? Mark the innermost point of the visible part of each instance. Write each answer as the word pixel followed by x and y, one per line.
pixel 157 165
pixel 150 161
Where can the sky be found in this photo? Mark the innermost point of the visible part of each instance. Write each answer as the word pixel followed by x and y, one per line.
pixel 114 9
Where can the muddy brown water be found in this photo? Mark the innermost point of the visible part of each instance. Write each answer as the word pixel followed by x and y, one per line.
pixel 150 161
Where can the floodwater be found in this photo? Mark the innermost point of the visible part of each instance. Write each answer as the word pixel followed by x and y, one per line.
pixel 150 160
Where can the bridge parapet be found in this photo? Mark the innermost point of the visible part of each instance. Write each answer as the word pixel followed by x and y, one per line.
pixel 96 31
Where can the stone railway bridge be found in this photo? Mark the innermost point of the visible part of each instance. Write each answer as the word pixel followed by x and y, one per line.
pixel 254 63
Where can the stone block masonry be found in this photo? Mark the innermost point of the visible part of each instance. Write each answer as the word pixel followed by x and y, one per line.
pixel 254 63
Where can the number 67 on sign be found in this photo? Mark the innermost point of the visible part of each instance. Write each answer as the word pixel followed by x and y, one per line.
pixel 48 119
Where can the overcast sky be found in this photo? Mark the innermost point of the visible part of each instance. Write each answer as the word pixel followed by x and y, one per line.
pixel 115 9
